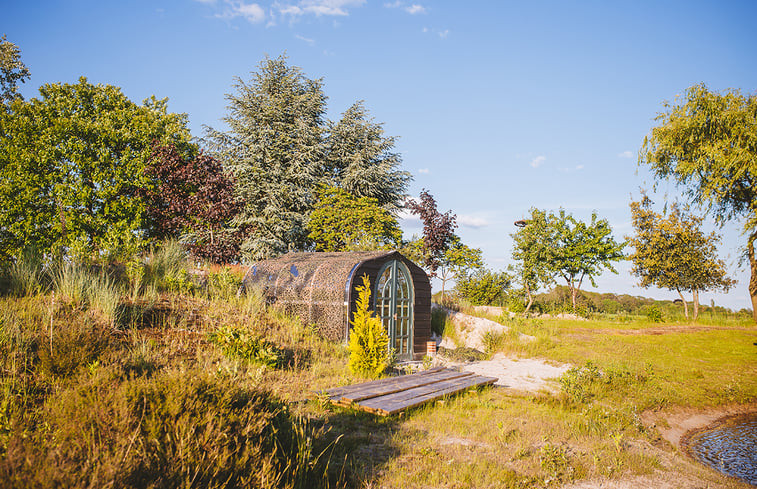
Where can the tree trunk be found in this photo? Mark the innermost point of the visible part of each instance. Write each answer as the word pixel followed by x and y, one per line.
pixel 530 299
pixel 695 294
pixel 685 306
pixel 753 278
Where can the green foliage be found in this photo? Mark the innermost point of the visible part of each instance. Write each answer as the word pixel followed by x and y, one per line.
pixel 369 341
pixel 273 149
pixel 707 143
pixel 361 161
pixel 531 251
pixel 654 314
pixel 673 252
pixel 484 287
pixel 552 245
pixel 244 344
pixel 71 162
pixel 280 149
pixel 439 320
pixel 458 261
pixel 12 71
pixel 343 222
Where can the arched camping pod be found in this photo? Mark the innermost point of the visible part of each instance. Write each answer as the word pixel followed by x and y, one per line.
pixel 321 289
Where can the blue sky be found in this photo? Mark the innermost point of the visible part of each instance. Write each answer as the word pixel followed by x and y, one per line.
pixel 499 106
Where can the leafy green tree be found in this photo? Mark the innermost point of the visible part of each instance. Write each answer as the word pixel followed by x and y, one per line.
pixel 71 164
pixel 672 252
pixel 708 144
pixel 532 251
pixel 458 261
pixel 362 161
pixel 12 71
pixel 274 149
pixel 343 222
pixel 484 287
pixel 369 341
pixel 580 250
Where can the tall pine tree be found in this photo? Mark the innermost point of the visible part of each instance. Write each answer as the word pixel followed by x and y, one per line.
pixel 274 149
pixel 361 160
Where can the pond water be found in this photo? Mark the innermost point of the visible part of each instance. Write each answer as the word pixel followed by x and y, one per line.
pixel 730 447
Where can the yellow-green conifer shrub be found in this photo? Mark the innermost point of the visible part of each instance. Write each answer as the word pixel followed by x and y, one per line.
pixel 369 342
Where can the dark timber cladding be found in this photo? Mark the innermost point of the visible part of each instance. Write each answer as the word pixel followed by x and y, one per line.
pixel 321 289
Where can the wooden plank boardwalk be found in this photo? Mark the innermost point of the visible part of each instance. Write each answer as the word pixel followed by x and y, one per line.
pixel 395 394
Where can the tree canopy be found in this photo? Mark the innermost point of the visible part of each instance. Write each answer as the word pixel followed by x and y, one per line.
pixel 280 148
pixel 531 251
pixel 362 161
pixel 342 222
pixel 707 143
pixel 190 197
pixel 12 71
pixel 274 150
pixel 71 164
pixel 551 245
pixel 673 252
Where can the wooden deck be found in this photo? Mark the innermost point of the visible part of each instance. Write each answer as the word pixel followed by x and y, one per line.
pixel 395 394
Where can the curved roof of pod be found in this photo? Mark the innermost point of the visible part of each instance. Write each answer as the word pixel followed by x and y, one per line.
pixel 312 277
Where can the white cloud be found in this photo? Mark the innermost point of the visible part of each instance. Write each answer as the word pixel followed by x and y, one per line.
pixel 252 12
pixel 625 154
pixel 424 171
pixel 424 30
pixel 537 162
pixel 579 167
pixel 443 34
pixel 396 4
pixel 472 221
pixel 415 9
pixel 318 7
pixel 305 39
pixel 210 2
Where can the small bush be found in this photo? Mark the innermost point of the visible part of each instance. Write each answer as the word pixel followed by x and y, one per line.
pixel 245 345
pixel 369 342
pixel 654 314
pixel 438 320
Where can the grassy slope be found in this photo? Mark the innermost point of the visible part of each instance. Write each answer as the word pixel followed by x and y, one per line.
pixel 79 409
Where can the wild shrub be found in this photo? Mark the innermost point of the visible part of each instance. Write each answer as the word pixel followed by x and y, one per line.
pixel 369 342
pixel 27 275
pixel 494 341
pixel 178 428
pixel 654 315
pixel 438 320
pixel 236 342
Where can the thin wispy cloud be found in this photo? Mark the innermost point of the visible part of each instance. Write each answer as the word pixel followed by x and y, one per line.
pixel 339 8
pixel 538 161
pixel 424 171
pixel 625 154
pixel 230 9
pixel 442 34
pixel 472 221
pixel 305 39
